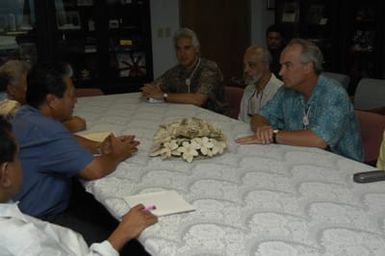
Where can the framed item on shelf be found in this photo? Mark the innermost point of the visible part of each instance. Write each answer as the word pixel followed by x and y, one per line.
pixel 131 64
pixel 113 23
pixel 68 20
pixel 290 12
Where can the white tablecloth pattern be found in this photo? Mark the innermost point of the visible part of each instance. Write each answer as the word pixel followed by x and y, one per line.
pixel 260 200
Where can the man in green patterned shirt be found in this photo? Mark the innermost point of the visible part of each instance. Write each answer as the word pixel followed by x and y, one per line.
pixel 194 80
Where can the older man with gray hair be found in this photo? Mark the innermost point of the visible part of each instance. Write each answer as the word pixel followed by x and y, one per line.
pixel 262 84
pixel 194 80
pixel 309 110
pixel 13 88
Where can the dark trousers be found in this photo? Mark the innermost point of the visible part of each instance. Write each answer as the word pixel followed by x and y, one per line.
pixel 88 217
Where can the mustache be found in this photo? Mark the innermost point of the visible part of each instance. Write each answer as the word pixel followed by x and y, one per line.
pixel 251 79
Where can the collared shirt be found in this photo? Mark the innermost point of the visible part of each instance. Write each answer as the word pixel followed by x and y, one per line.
pixel 381 156
pixel 24 235
pixel 206 79
pixel 3 96
pixel 328 113
pixel 249 95
pixel 49 155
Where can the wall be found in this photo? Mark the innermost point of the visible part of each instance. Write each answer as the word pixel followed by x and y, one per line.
pixel 165 21
pixel 261 19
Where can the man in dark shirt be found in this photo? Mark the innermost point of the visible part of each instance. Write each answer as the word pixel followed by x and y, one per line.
pixel 275 44
pixel 194 80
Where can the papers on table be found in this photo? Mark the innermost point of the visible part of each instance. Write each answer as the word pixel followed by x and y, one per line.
pixel 96 136
pixel 166 202
pixel 152 100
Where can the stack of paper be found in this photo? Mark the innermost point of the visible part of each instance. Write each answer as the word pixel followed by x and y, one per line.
pixel 166 202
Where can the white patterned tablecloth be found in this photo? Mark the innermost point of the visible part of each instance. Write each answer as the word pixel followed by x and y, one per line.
pixel 260 200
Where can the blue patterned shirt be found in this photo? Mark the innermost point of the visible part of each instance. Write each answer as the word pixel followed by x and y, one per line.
pixel 329 113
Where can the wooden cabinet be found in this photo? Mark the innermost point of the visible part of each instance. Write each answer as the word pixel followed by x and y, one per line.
pixel 107 42
pixel 349 33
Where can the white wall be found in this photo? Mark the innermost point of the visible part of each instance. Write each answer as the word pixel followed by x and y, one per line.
pixel 164 23
pixel 261 19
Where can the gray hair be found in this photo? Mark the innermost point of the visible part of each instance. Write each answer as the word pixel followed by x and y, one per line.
pixel 12 71
pixel 262 52
pixel 186 32
pixel 310 53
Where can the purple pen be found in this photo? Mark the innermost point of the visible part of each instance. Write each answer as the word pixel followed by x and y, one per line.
pixel 149 208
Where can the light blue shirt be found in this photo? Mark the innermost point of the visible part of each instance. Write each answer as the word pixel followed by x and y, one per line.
pixel 3 96
pixel 50 156
pixel 329 113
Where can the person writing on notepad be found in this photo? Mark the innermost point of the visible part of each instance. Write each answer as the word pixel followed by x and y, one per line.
pixel 51 155
pixel 21 234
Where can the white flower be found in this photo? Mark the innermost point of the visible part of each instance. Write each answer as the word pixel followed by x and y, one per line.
pixel 219 147
pixel 188 138
pixel 204 145
pixel 167 150
pixel 188 151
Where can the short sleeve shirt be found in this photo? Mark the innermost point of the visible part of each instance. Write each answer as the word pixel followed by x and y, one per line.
pixel 329 112
pixel 50 156
pixel 207 79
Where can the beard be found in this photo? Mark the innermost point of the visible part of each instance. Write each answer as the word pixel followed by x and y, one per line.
pixel 251 79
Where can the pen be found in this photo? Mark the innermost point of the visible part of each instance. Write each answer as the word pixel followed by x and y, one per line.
pixel 149 208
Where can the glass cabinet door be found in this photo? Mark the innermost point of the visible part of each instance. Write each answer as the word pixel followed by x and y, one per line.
pixel 17 30
pixel 76 37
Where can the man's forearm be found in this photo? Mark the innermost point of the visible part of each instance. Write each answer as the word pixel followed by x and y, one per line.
pixel 304 138
pixel 92 146
pixel 187 98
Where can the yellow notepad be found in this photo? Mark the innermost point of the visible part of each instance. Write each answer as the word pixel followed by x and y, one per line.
pixel 96 136
pixel 166 202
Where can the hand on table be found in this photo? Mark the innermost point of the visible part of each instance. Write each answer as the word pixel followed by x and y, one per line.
pixel 122 146
pixel 263 135
pixel 152 91
pixel 132 224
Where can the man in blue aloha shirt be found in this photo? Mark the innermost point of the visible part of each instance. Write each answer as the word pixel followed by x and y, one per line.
pixel 309 110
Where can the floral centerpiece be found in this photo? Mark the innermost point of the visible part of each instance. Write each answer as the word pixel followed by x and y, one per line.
pixel 188 138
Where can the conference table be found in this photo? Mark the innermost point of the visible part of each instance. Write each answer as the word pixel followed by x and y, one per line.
pixel 263 200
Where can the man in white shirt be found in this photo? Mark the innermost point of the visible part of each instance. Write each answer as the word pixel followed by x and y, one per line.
pixel 24 235
pixel 262 84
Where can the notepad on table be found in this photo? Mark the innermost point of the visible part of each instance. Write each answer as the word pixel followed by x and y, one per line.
pixel 166 202
pixel 96 136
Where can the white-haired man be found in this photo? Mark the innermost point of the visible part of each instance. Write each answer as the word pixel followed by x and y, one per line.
pixel 194 80
pixel 309 110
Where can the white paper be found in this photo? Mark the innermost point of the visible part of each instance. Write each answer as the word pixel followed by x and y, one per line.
pixel 166 202
pixel 152 100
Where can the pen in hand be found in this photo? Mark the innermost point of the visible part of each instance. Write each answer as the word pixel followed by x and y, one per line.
pixel 149 208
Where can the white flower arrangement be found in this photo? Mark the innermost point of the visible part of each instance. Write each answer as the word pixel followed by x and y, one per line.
pixel 188 138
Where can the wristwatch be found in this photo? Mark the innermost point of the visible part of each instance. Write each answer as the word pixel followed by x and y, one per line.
pixel 165 95
pixel 275 132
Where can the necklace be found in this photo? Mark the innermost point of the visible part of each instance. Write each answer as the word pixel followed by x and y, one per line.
pixel 188 80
